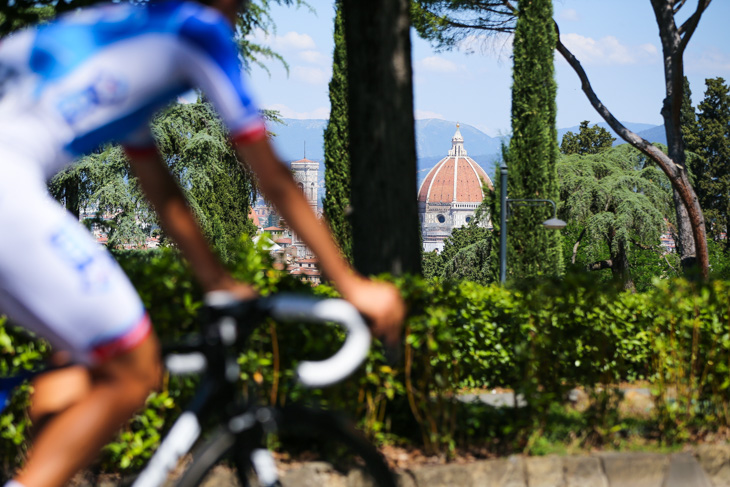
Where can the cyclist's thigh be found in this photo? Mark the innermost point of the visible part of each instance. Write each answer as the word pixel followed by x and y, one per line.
pixel 55 279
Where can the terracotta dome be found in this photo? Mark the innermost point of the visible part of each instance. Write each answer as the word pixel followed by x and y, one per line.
pixel 254 217
pixel 450 195
pixel 455 178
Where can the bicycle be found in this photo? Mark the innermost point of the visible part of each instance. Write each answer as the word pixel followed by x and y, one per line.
pixel 244 428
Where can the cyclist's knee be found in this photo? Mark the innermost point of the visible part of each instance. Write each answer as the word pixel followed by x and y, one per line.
pixel 56 391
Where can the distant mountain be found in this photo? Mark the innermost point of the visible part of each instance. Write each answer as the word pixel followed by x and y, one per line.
pixel 652 133
pixel 433 139
pixel 297 138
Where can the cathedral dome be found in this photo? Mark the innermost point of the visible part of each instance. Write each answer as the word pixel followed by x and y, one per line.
pixel 455 178
pixel 450 195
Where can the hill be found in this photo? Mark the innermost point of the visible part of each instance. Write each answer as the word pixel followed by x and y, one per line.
pixel 299 138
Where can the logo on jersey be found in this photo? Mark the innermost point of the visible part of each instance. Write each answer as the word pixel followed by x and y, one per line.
pixel 105 90
pixel 91 263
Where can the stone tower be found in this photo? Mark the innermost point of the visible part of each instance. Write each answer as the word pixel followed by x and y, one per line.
pixel 306 174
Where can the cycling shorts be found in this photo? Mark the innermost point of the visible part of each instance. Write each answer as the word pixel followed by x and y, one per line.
pixel 55 279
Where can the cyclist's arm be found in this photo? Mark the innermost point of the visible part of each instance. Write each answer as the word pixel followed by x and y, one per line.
pixel 379 302
pixel 179 222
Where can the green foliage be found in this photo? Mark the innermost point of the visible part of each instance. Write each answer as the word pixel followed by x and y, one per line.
pixel 447 22
pixel 541 341
pixel 533 149
pixel 467 254
pixel 587 141
pixel 337 146
pixel 709 137
pixel 102 180
pixel 616 202
pixel 473 263
pixel 195 146
pixel 691 349
pixel 433 265
pixel 18 351
pixel 22 13
pixel 219 189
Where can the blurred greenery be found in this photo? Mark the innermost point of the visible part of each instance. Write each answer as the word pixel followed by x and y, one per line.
pixel 540 340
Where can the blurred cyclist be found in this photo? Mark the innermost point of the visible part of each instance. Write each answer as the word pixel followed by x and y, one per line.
pixel 97 76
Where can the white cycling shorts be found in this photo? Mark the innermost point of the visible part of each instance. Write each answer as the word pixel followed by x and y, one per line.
pixel 55 279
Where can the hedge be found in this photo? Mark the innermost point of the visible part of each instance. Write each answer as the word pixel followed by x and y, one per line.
pixel 541 340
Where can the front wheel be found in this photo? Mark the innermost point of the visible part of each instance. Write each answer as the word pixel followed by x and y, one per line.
pixel 309 447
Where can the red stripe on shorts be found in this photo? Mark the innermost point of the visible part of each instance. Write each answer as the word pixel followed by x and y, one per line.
pixel 250 134
pixel 125 343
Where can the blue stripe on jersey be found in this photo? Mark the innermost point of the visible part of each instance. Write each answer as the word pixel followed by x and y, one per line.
pixel 123 126
pixel 63 45
pixel 216 40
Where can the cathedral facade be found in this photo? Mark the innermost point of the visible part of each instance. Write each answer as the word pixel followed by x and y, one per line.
pixel 450 194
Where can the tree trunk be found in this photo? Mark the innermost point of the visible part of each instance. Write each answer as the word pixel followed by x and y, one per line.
pixel 71 196
pixel 385 228
pixel 684 238
pixel 673 44
pixel 620 267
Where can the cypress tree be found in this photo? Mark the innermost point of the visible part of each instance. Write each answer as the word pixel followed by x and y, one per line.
pixel 336 146
pixel 713 147
pixel 533 149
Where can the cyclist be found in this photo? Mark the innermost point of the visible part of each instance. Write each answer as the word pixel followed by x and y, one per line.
pixel 71 85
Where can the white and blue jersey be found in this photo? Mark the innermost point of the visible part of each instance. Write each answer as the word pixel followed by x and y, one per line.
pixel 99 75
pixel 67 87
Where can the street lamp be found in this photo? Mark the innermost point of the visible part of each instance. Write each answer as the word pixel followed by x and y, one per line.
pixel 553 223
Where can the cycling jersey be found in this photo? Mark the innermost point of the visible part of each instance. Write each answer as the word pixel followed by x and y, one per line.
pixel 67 87
pixel 100 74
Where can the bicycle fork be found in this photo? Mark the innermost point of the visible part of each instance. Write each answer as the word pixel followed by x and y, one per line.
pixel 251 428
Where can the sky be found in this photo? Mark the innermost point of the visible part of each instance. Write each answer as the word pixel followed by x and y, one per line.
pixel 616 41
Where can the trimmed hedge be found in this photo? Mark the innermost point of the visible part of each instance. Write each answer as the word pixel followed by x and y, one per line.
pixel 540 340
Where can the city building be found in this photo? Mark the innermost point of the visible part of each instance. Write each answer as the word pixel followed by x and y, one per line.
pixel 306 175
pixel 450 194
pixel 285 246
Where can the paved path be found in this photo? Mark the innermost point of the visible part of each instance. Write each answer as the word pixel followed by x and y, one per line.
pixel 703 466
pixel 706 466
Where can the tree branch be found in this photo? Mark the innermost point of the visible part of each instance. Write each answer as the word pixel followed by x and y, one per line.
pixel 577 244
pixel 600 265
pixel 664 256
pixel 502 27
pixel 689 26
pixel 509 5
pixel 654 248
pixel 679 5
pixel 666 164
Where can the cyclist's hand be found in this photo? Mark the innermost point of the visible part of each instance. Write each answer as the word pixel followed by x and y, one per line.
pixel 239 290
pixel 382 305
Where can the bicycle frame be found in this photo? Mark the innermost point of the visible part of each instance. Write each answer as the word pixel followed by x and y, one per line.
pixel 228 322
pixel 222 372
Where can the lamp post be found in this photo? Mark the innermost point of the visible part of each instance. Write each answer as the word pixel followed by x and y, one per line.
pixel 553 223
